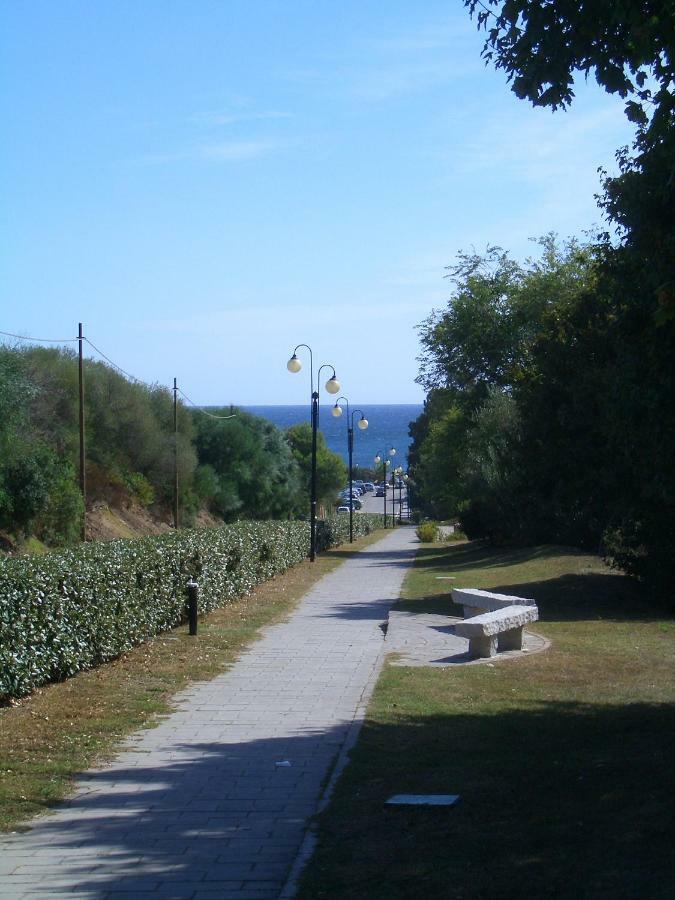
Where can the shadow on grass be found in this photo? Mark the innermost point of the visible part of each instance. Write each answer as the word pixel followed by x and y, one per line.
pixel 477 554
pixel 583 596
pixel 558 801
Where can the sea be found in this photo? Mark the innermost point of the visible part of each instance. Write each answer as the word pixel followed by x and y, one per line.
pixel 387 428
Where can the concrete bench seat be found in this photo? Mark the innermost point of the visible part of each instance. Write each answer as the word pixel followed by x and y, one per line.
pixel 499 629
pixel 477 602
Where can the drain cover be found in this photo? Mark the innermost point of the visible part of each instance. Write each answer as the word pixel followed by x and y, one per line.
pixel 423 800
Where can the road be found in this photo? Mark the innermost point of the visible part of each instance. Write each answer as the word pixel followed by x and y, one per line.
pixel 373 504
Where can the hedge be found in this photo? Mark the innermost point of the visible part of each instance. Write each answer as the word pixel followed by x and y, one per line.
pixel 72 610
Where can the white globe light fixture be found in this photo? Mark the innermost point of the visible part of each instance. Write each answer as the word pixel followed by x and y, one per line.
pixel 333 385
pixel 363 423
pixel 377 460
pixel 337 411
pixel 294 365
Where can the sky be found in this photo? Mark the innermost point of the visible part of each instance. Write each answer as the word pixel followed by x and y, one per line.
pixel 207 184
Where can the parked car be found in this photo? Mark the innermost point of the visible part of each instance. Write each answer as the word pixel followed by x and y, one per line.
pixel 380 491
pixel 368 486
pixel 343 509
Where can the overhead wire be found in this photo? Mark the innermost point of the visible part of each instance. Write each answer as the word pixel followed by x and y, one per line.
pixel 203 411
pixel 35 340
pixel 113 364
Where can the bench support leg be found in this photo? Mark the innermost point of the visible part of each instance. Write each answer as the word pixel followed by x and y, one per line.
pixel 483 647
pixel 511 640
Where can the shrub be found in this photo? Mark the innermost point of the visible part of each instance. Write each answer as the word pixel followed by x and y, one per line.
pixel 140 487
pixel 428 532
pixel 71 610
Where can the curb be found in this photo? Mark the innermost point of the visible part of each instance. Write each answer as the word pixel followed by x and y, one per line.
pixel 310 839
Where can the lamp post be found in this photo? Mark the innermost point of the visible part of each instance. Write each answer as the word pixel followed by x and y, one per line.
pixel 379 458
pixel 398 471
pixel 333 387
pixel 363 424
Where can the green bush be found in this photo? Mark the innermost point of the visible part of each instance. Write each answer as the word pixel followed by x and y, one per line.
pixel 428 532
pixel 140 487
pixel 74 609
pixel 335 530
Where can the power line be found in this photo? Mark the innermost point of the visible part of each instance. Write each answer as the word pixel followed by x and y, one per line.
pixel 203 411
pixel 34 340
pixel 114 364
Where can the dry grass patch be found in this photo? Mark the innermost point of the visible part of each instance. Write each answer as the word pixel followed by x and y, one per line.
pixel 64 728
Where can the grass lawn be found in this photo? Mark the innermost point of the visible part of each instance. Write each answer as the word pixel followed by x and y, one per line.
pixel 563 759
pixel 64 728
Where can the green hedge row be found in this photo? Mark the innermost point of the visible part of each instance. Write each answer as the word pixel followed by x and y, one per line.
pixel 68 611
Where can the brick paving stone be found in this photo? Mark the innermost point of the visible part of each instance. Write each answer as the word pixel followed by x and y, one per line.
pixel 198 807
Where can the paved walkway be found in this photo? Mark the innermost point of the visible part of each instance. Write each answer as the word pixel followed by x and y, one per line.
pixel 215 801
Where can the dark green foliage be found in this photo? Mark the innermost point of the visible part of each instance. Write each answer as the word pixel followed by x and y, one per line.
pixel 558 425
pixel 542 44
pixel 239 468
pixel 71 610
pixel 560 382
pixel 246 468
pixel 629 45
pixel 364 473
pixel 331 472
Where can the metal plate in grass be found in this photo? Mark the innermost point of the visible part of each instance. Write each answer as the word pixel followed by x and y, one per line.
pixel 422 800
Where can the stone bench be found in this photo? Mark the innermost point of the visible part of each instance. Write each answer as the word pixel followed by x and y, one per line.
pixel 477 602
pixel 500 629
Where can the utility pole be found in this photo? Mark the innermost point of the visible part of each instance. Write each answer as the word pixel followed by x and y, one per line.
pixel 83 474
pixel 175 454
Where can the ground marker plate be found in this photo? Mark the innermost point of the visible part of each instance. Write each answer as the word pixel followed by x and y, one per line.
pixel 423 800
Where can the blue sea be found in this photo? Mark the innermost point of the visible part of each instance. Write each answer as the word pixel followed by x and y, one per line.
pixel 387 427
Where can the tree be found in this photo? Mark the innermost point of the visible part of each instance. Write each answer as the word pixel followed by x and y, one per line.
pixel 331 472
pixel 246 468
pixel 629 45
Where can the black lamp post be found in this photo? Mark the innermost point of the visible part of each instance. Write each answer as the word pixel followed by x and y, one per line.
pixel 333 387
pixel 363 424
pixel 379 458
pixel 398 471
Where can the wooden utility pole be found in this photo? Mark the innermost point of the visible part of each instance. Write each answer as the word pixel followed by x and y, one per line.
pixel 175 454
pixel 83 473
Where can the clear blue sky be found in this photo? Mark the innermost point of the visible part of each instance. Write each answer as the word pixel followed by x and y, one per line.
pixel 207 184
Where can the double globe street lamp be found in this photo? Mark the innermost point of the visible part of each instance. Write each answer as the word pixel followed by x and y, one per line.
pixel 379 458
pixel 363 424
pixel 333 387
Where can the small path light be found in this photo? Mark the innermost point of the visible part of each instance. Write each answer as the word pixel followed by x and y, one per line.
pixel 193 605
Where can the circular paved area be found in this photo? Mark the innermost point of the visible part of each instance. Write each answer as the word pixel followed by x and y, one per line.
pixel 421 639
